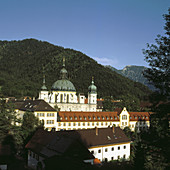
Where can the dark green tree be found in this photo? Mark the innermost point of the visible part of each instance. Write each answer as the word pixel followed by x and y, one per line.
pixel 158 57
pixel 157 142
pixel 29 124
pixel 9 135
pixel 108 104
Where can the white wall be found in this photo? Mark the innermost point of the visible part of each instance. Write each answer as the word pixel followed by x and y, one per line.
pixel 106 152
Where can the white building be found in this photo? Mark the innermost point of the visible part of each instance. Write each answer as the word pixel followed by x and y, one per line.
pixel 63 95
pixel 88 120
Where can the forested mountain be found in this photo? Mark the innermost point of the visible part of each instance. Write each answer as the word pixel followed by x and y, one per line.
pixel 22 63
pixel 134 73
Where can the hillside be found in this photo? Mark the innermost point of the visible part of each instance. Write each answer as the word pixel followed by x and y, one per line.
pixel 134 73
pixel 21 70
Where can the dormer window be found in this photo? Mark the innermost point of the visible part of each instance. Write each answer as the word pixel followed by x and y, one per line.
pixel 102 117
pixel 66 118
pixel 89 118
pixel 98 118
pixel 80 118
pixel 111 117
pixel 70 118
pixel 85 118
pixel 107 117
pixel 75 117
pixel 94 117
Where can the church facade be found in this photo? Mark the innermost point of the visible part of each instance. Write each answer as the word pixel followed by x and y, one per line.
pixel 63 95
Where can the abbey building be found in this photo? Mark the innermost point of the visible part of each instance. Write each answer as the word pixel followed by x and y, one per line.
pixel 63 95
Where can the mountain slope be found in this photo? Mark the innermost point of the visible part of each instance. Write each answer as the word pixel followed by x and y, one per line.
pixel 134 73
pixel 22 63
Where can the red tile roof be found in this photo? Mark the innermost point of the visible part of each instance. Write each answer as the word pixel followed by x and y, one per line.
pixel 136 116
pixel 88 116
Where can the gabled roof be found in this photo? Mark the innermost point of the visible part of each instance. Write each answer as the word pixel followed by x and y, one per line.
pixel 36 105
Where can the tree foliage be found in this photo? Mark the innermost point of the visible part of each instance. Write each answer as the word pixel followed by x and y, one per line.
pixel 154 144
pixel 158 57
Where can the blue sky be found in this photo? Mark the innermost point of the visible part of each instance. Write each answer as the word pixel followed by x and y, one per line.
pixel 113 32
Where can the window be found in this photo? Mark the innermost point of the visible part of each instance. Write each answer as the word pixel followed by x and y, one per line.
pixel 118 147
pixel 88 124
pixel 106 123
pixel 59 124
pixel 70 118
pixel 74 124
pixel 124 117
pixel 92 124
pixel 107 118
pixel 78 124
pixel 80 118
pixel 94 117
pixel 97 123
pixel 105 159
pixel 112 158
pixel 101 123
pixel 99 151
pixel 98 118
pixel 112 149
pixel 75 117
pixel 66 118
pixel 115 118
pixel 50 121
pixel 118 157
pixel 125 123
pixel 89 118
pixel 102 117
pixel 64 124
pixel 92 152
pixel 69 124
pixel 122 123
pixel 130 117
pixel 40 114
pixel 50 114
pixel 111 117
pixel 124 147
pixel 106 150
pixel 85 118
pixel 124 156
pixel 83 124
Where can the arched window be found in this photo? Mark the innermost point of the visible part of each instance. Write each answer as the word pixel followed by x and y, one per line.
pixel 67 98
pixel 61 98
pixel 56 98
pixel 124 117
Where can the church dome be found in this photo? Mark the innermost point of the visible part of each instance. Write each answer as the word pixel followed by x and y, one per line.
pixel 92 88
pixel 63 85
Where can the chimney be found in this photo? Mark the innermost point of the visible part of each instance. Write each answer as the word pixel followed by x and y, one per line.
pixel 96 131
pixel 113 129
